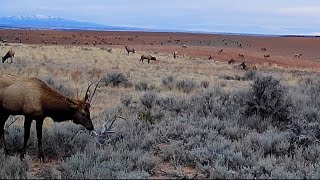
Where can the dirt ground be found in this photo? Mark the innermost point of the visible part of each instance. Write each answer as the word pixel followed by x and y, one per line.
pixel 280 49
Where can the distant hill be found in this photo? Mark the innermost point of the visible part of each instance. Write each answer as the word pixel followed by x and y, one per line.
pixel 48 22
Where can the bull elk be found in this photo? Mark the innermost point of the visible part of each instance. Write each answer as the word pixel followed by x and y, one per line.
pixel 35 100
pixel 10 54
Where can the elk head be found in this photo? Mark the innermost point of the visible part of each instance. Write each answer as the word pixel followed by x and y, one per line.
pixel 81 109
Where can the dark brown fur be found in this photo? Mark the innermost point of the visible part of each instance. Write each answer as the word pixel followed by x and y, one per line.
pixel 243 66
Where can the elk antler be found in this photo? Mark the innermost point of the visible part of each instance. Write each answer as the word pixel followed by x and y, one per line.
pixel 86 94
pixel 94 91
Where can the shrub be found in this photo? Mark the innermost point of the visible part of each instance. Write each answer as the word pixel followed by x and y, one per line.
pixel 13 167
pixel 126 100
pixel 185 86
pixel 204 84
pixel 143 86
pixel 250 75
pixel 267 99
pixel 236 77
pixel 115 79
pixel 148 99
pixel 173 103
pixel 148 116
pixel 168 82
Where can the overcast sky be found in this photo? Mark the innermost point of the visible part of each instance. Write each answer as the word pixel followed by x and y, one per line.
pixel 243 16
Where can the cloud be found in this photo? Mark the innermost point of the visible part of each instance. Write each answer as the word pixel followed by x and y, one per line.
pixel 311 11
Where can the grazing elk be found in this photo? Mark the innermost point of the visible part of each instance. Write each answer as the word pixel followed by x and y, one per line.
pixel 175 54
pixel 35 100
pixel 148 57
pixel 220 51
pixel 243 66
pixel 184 46
pixel 298 55
pixel 241 55
pixel 266 56
pixel 10 54
pixel 254 68
pixel 231 61
pixel 263 49
pixel 129 49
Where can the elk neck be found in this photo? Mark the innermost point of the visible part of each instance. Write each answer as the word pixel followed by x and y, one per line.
pixel 60 109
pixel 56 105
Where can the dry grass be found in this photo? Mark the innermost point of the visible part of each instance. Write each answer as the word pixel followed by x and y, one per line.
pixel 79 66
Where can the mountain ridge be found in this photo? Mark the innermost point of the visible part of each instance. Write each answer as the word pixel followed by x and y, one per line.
pixel 51 22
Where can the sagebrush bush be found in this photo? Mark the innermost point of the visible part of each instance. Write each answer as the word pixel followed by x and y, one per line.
pixel 168 82
pixel 250 75
pixel 204 84
pixel 185 86
pixel 143 86
pixel 115 79
pixel 267 98
pixel 126 100
pixel 173 103
pixel 148 99
pixel 13 167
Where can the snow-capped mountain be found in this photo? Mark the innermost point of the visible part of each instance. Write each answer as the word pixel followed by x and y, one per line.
pixel 42 17
pixel 51 22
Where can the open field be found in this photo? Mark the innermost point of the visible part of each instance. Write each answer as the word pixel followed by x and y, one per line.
pixel 280 49
pixel 188 117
